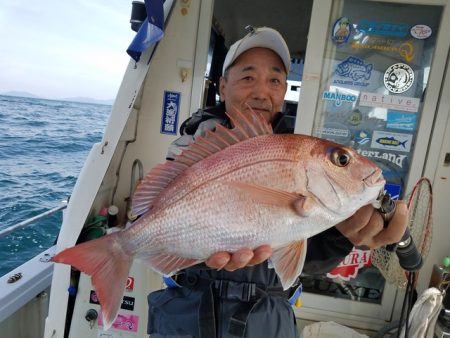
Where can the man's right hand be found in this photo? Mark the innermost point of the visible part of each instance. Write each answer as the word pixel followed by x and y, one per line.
pixel 239 259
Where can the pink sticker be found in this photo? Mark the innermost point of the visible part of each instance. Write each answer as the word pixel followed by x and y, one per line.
pixel 128 323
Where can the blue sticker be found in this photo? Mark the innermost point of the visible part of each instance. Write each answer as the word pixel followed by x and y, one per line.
pixel 338 97
pixel 394 190
pixel 341 30
pixel 171 107
pixel 362 137
pixel 401 121
pixel 399 30
pixel 355 69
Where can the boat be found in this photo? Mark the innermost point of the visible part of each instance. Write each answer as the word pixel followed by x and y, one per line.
pixel 182 66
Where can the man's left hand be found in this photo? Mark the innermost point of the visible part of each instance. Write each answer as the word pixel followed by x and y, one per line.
pixel 366 226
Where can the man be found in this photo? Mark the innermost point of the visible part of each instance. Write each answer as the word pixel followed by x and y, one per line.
pixel 237 295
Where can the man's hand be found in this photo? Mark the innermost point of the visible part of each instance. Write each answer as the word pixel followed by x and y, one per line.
pixel 239 259
pixel 366 226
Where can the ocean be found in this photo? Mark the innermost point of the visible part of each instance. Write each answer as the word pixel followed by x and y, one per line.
pixel 43 146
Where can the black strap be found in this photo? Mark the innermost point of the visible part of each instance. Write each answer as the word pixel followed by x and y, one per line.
pixel 206 315
pixel 238 321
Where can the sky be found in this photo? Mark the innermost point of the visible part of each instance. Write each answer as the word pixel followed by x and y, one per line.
pixel 64 48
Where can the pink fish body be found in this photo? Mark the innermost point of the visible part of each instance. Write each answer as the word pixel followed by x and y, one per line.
pixel 231 189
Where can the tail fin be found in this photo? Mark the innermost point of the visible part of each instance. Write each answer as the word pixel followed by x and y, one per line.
pixel 108 265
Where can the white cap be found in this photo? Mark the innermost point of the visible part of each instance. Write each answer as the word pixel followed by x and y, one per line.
pixel 264 37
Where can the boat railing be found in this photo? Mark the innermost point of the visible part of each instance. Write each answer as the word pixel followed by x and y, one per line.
pixel 31 220
pixel 29 280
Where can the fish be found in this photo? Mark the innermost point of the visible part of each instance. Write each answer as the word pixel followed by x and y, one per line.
pixel 391 141
pixel 354 68
pixel 231 189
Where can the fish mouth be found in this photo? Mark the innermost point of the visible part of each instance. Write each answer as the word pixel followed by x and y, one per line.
pixel 375 178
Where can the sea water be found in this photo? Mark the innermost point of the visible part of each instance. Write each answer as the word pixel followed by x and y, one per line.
pixel 43 146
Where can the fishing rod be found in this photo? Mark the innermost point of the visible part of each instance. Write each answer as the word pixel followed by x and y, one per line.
pixel 408 255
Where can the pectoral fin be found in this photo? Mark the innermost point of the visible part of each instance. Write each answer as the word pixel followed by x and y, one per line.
pixel 300 204
pixel 288 262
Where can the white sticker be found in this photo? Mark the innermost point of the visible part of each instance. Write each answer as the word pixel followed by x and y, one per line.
pixel 395 102
pixel 421 32
pixel 391 141
pixel 398 78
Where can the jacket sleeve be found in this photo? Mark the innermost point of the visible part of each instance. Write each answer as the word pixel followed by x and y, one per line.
pixel 325 251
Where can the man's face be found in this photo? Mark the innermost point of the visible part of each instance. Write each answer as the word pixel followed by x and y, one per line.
pixel 257 79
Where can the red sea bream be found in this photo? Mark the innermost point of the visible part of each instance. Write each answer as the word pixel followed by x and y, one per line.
pixel 232 188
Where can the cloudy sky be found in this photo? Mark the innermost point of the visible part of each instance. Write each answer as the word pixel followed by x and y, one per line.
pixel 64 48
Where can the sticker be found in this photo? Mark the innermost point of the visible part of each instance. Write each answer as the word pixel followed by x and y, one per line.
pixel 171 107
pixel 127 302
pixel 341 30
pixel 355 117
pixel 421 32
pixel 402 121
pixel 130 284
pixel 123 322
pixel 338 98
pixel 399 30
pixel 355 69
pixel 362 137
pixel 398 78
pixel 391 141
pixel 396 159
pixel 93 299
pixel 403 103
pixel 350 266
pixel 334 131
pixel 406 50
pixel 394 190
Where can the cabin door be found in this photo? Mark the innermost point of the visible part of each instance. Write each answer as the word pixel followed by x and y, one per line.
pixel 372 79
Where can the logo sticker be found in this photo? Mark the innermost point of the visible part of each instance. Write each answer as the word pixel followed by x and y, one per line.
pixel 171 107
pixel 398 78
pixel 406 49
pixel 334 131
pixel 402 121
pixel 338 98
pixel 362 137
pixel 391 141
pixel 399 30
pixel 127 302
pixel 403 103
pixel 396 159
pixel 123 322
pixel 354 68
pixel 130 284
pixel 350 266
pixel 341 30
pixel 355 117
pixel 421 32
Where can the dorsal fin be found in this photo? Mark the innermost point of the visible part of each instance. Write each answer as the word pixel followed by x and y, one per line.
pixel 245 127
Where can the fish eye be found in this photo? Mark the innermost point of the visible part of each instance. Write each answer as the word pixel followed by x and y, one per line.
pixel 340 157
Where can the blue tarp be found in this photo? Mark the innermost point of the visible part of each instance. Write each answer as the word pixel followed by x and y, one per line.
pixel 151 31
